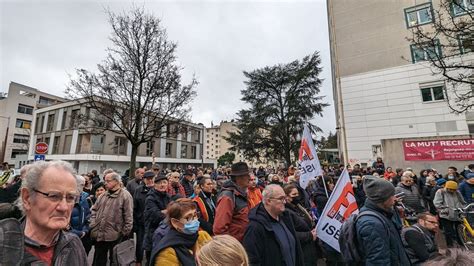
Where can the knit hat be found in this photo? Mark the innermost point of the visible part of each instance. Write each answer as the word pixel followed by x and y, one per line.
pixel 451 185
pixel 440 181
pixel 378 189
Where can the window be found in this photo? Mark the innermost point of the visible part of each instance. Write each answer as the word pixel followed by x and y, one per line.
pixel 20 123
pixel 63 123
pixel 471 128
pixel 466 44
pixel 120 146
pixel 56 145
pixel 149 147
pixel 193 152
pixel 46 101
pixel 168 148
pixel 74 118
pixel 425 52
pixel 419 15
pixel 20 138
pixel 432 94
pixel 97 143
pixel 16 152
pixel 461 7
pixel 67 144
pixel 25 109
pixel 50 125
pixel 184 151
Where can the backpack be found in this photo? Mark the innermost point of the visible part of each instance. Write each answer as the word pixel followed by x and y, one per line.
pixel 348 241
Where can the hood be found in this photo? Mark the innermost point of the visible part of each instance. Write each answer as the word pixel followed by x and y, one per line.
pixel 372 206
pixel 320 191
pixel 230 185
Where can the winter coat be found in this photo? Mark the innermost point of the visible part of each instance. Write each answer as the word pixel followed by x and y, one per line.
pixel 168 255
pixel 320 199
pixel 428 198
pixel 139 205
pixel 303 196
pixel 132 185
pixel 188 187
pixel 412 237
pixel 467 191
pixel 380 242
pixel 359 194
pixel 254 197
pixel 206 208
pixel 155 203
pixel 112 216
pixel 303 226
pixel 10 193
pixel 80 216
pixel 179 189
pixel 446 203
pixel 412 198
pixel 232 212
pixel 67 251
pixel 261 242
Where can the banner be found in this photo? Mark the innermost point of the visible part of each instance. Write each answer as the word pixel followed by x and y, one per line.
pixel 436 150
pixel 308 161
pixel 340 206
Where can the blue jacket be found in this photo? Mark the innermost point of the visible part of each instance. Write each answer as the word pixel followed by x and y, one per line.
pixel 381 243
pixel 467 191
pixel 80 216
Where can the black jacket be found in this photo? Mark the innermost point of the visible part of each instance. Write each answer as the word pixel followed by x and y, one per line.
pixel 155 202
pixel 260 242
pixel 188 187
pixel 139 198
pixel 320 199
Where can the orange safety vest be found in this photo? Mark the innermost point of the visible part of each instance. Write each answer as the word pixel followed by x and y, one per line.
pixel 202 207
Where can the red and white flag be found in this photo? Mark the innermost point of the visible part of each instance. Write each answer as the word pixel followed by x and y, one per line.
pixel 340 206
pixel 308 161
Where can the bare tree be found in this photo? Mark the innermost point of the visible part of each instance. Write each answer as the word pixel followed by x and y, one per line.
pixel 137 90
pixel 448 44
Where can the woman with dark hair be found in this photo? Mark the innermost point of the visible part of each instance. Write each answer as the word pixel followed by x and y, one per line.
pixel 180 245
pixel 97 190
pixel 206 204
pixel 304 225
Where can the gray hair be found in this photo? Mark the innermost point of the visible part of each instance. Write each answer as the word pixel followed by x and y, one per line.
pixel 35 171
pixel 115 176
pixel 108 171
pixel 24 170
pixel 81 182
pixel 269 191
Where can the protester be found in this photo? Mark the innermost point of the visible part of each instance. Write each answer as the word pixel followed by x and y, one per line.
pixel 270 238
pixel 6 174
pixel 412 198
pixel 88 184
pixel 180 245
pixel 95 177
pixel 132 184
pixel 389 174
pixel 453 174
pixel 303 197
pixel 48 194
pixel 174 187
pixel 446 201
pixel 398 177
pixel 254 193
pixel 379 166
pixel 466 188
pixel 206 205
pixel 80 215
pixel 97 191
pixel 419 239
pixel 378 237
pixel 222 250
pixel 115 207
pixel 322 193
pixel 359 192
pixel 11 192
pixel 139 198
pixel 232 205
pixel 428 194
pixel 304 225
pixel 275 179
pixel 156 202
pixel 187 183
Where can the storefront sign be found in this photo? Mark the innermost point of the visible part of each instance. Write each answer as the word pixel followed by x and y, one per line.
pixel 436 150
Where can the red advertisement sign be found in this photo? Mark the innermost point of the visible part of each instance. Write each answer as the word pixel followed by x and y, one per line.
pixel 436 150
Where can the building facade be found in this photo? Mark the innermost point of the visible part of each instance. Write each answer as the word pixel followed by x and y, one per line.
pixel 16 118
pixel 215 144
pixel 59 127
pixel 383 86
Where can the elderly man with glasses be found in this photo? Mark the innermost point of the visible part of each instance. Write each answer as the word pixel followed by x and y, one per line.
pixel 48 194
pixel 270 238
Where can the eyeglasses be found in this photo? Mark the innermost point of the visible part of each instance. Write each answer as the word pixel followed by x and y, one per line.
pixel 282 198
pixel 109 180
pixel 58 196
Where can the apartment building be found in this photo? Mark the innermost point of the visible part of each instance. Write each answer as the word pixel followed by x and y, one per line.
pixel 215 144
pixel 385 92
pixel 16 117
pixel 68 140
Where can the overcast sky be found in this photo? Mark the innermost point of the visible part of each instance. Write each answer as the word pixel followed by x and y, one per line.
pixel 44 41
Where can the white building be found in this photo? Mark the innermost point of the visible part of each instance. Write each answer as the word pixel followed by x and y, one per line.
pixel 16 118
pixel 383 87
pixel 57 125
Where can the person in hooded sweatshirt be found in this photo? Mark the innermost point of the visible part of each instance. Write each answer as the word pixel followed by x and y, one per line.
pixel 232 209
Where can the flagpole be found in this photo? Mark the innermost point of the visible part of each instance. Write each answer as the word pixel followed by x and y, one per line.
pixel 325 188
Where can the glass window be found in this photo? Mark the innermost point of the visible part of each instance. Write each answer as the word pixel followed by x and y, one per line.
pixel 120 147
pixel 432 94
pixel 438 93
pixel 97 143
pixel 25 109
pixel 149 147
pixel 466 43
pixel 418 15
pixel 20 123
pixel 20 138
pixel 425 52
pixel 193 152
pixel 16 152
pixel 184 151
pixel 50 125
pixel 461 7
pixel 168 148
pixel 56 145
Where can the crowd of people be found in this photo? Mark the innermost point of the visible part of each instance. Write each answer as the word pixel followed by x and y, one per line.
pixel 227 216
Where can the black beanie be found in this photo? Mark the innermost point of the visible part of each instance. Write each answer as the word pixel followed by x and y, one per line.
pixel 378 189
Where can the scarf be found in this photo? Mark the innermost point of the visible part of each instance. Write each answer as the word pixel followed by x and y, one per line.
pixel 182 244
